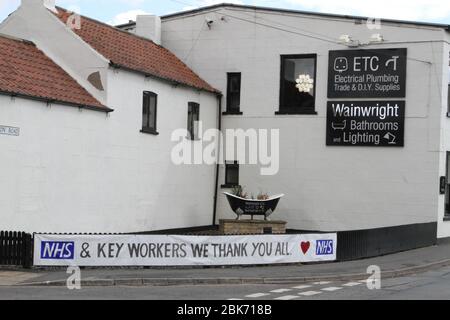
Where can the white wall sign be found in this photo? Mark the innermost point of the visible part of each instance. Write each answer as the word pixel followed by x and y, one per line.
pixel 9 131
pixel 157 250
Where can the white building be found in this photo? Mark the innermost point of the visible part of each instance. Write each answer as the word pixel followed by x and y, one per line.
pixel 81 170
pixel 385 198
pixel 374 178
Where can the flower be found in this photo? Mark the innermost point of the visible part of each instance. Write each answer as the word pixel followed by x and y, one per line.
pixel 304 83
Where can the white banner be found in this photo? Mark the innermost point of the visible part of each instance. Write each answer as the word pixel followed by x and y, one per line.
pixel 157 250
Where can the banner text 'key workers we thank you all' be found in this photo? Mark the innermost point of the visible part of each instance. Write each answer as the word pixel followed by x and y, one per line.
pixel 157 250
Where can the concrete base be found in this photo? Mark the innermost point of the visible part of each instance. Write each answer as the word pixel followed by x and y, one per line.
pixel 239 227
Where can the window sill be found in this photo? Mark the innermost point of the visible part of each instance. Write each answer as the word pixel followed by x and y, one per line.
pixel 232 113
pixel 295 112
pixel 149 131
pixel 229 186
pixel 193 140
pixel 447 218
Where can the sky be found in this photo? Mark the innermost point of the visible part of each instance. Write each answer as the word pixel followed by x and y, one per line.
pixel 121 11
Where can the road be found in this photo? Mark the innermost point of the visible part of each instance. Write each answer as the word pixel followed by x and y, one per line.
pixel 431 285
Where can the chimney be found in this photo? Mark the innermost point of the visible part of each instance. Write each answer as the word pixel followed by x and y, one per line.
pixel 49 4
pixel 149 26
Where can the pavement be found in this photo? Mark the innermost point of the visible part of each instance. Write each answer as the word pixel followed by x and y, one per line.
pixel 392 266
pixel 432 285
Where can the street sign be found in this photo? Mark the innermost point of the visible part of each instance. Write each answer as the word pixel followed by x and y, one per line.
pixel 366 123
pixel 378 73
pixel 9 131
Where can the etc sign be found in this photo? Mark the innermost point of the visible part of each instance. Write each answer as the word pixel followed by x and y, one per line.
pixel 367 73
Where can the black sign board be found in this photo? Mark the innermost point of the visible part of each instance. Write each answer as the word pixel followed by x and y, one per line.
pixel 378 73
pixel 366 123
pixel 443 185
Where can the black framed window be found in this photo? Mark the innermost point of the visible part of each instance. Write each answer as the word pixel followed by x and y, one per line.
pixel 298 84
pixel 448 99
pixel 231 174
pixel 149 112
pixel 234 93
pixel 193 120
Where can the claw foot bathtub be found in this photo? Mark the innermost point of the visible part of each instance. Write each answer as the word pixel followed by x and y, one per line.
pixel 246 207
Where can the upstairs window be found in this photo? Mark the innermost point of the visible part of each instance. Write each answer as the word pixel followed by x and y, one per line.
pixel 231 174
pixel 149 111
pixel 234 94
pixel 193 120
pixel 448 99
pixel 298 84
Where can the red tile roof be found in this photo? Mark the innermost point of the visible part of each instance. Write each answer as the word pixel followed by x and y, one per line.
pixel 132 52
pixel 27 71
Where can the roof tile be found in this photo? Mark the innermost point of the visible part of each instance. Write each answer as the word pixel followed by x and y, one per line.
pixel 27 71
pixel 136 53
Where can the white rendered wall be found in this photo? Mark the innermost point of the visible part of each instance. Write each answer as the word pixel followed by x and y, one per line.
pixel 444 226
pixel 327 188
pixel 84 171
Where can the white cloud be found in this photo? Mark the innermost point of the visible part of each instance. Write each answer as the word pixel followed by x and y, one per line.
pixel 125 17
pixel 395 9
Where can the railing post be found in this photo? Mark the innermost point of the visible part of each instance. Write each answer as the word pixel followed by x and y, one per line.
pixel 27 251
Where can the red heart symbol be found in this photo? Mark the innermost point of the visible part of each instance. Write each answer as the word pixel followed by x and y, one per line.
pixel 305 246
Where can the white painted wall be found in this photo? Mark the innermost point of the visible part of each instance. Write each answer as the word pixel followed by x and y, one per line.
pixel 84 171
pixel 327 188
pixel 444 226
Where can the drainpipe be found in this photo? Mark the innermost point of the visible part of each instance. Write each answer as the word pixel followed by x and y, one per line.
pixel 219 127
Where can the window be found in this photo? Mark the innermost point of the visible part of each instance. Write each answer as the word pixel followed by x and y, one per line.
pixel 234 94
pixel 298 84
pixel 231 174
pixel 149 112
pixel 193 120
pixel 448 99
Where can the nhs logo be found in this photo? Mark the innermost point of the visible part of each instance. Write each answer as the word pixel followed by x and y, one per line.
pixel 57 250
pixel 324 247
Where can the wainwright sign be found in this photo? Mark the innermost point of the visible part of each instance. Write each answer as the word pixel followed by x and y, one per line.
pixel 366 123
pixel 142 250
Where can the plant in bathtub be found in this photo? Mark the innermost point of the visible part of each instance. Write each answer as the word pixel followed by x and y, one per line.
pixel 239 192
pixel 242 205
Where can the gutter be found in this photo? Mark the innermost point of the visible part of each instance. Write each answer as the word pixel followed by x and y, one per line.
pixel 150 75
pixel 64 103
